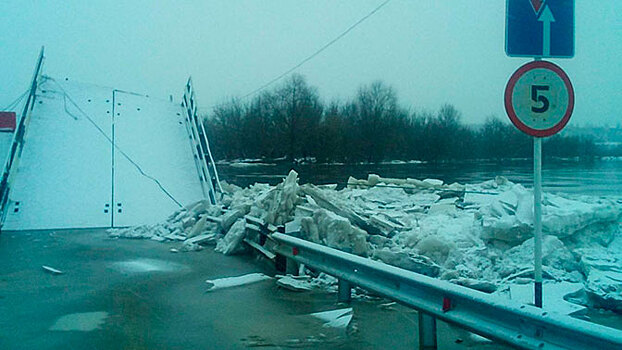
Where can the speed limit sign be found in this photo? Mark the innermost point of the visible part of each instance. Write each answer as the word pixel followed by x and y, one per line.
pixel 539 98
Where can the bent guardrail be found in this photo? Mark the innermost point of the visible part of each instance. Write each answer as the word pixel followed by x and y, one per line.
pixel 522 326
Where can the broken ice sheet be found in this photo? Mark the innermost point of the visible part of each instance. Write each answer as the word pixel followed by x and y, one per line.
pixel 339 318
pixel 294 283
pixel 483 244
pixel 229 282
pixel 52 270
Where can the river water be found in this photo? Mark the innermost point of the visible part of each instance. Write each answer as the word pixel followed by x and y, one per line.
pixel 596 177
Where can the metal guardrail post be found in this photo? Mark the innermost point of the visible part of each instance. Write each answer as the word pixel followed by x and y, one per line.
pixel 344 292
pixel 427 332
pixel 291 267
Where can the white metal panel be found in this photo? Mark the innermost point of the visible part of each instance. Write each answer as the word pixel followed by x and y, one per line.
pixel 64 175
pixel 153 134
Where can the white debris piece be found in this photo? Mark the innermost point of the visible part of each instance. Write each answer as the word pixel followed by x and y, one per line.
pixel 52 270
pixel 339 318
pixel 229 282
pixel 604 278
pixel 294 283
pixel 334 231
pixel 231 243
pixel 553 296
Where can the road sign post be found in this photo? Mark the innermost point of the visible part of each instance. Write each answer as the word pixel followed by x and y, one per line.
pixel 539 98
pixel 537 220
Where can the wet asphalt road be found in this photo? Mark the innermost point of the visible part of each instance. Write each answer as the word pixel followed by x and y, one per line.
pixel 156 299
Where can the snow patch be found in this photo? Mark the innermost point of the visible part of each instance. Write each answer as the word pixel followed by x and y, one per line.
pixel 143 265
pixel 81 322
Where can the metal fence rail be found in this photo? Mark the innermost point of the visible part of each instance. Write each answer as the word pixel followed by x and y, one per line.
pixel 521 326
pixel 17 144
pixel 201 150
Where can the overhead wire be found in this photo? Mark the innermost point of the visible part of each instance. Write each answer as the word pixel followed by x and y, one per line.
pixel 111 141
pixel 259 89
pixel 316 53
pixel 16 102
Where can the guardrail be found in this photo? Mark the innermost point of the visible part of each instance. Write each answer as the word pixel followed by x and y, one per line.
pixel 521 326
pixel 18 139
pixel 200 145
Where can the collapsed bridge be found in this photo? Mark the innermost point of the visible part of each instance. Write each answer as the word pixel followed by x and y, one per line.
pixel 89 156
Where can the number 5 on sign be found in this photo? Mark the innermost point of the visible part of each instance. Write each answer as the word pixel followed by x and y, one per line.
pixel 536 97
pixel 539 98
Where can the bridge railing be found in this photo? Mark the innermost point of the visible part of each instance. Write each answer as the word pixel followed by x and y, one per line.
pixel 201 150
pixel 520 326
pixel 17 144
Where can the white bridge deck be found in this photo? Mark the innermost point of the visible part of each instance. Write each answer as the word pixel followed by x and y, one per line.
pixel 71 176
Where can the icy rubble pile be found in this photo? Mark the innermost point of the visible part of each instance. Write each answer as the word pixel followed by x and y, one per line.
pixel 477 235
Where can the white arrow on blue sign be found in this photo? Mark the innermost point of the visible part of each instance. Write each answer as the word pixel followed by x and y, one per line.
pixel 540 28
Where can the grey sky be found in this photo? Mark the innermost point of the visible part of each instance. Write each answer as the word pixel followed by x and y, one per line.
pixel 431 51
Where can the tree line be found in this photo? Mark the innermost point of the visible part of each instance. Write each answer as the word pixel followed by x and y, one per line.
pixel 291 121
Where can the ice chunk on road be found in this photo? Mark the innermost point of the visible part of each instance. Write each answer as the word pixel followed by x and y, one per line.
pixel 604 278
pixel 229 282
pixel 335 231
pixel 553 295
pixel 408 261
pixel 295 283
pixel 52 270
pixel 339 318
pixel 231 243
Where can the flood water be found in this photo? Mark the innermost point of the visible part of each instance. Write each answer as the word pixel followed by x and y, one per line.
pixel 595 177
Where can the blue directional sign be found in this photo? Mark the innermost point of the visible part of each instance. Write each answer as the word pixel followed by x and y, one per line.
pixel 540 28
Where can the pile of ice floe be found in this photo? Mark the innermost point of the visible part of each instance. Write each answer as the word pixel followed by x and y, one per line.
pixel 477 235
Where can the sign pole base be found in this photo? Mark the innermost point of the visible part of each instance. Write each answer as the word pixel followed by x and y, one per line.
pixel 538 294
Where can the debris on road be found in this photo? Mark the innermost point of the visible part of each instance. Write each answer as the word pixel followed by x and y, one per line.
pixel 294 283
pixel 229 282
pixel 339 318
pixel 52 270
pixel 476 235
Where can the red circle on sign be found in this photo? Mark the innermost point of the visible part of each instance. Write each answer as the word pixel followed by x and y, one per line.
pixel 509 90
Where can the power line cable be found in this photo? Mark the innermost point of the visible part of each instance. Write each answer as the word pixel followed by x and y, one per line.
pixel 317 52
pixel 125 155
pixel 16 102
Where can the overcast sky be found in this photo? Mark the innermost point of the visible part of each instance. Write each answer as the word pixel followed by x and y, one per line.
pixel 431 51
